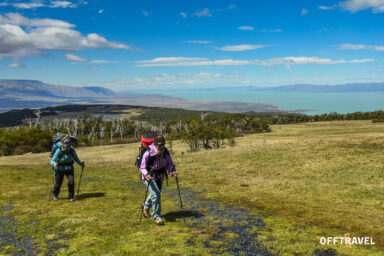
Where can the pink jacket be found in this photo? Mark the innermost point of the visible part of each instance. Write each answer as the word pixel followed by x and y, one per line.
pixel 159 163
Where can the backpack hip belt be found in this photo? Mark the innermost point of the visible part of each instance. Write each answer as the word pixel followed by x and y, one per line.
pixel 158 173
pixel 67 164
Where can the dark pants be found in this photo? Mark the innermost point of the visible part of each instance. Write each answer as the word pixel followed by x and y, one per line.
pixel 59 177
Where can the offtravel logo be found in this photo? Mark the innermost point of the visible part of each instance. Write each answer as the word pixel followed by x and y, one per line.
pixel 347 240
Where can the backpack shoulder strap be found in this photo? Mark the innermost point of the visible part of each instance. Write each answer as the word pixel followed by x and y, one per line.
pixel 166 153
pixel 151 159
pixel 62 153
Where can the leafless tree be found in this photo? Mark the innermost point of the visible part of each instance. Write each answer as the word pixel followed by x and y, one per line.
pixel 37 112
pixel 102 133
pixel 75 126
pixel 29 120
pixel 67 125
pixel 203 115
pixel 120 127
pixel 113 126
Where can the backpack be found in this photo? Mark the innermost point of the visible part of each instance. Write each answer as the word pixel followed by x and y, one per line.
pixel 59 137
pixel 146 139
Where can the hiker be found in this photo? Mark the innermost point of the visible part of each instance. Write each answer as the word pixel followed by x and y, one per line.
pixel 62 163
pixel 155 164
pixel 57 142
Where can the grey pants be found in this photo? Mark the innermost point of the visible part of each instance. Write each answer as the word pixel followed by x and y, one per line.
pixel 154 198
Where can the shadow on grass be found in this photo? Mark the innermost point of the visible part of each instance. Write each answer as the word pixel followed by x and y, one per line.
pixel 172 216
pixel 90 195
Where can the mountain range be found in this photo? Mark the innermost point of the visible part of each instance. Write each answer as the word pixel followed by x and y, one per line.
pixel 30 88
pixel 17 94
pixel 353 87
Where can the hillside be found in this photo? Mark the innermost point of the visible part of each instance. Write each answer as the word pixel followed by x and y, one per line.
pixel 274 193
pixel 31 88
pixel 16 117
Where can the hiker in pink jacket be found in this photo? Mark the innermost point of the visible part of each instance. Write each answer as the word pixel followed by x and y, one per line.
pixel 155 166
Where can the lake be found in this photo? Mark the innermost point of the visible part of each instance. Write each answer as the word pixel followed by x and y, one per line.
pixel 316 102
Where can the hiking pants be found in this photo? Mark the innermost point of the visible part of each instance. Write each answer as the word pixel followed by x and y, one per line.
pixel 154 198
pixel 59 177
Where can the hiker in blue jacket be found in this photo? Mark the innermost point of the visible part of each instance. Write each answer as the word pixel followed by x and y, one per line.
pixel 155 165
pixel 62 163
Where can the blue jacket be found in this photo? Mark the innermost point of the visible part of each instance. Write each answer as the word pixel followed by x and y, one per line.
pixel 65 159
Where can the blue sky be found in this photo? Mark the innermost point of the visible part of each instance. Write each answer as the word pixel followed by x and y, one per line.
pixel 124 45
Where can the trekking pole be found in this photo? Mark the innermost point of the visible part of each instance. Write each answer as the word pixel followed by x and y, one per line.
pixel 51 188
pixel 81 175
pixel 145 198
pixel 178 189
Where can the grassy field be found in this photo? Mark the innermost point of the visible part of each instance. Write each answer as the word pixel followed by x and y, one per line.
pixel 303 182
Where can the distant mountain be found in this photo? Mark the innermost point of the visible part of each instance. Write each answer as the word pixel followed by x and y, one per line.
pixel 29 88
pixel 356 87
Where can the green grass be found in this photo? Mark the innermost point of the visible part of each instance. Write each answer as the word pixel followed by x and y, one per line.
pixel 104 222
pixel 305 180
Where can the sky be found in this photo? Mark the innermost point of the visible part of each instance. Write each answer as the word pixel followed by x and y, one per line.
pixel 173 44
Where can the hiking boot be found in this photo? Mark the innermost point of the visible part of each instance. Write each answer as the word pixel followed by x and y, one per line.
pixel 72 199
pixel 146 213
pixel 159 222
pixel 55 198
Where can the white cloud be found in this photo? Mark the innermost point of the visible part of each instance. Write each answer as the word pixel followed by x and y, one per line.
pixel 28 5
pixel 322 7
pixel 171 59
pixel 75 58
pixel 277 30
pixel 101 62
pixel 17 19
pixel 246 28
pixel 204 13
pixel 361 47
pixel 228 8
pixel 16 65
pixel 99 42
pixel 62 4
pixel 353 6
pixel 100 11
pixel 41 3
pixel 242 47
pixel 181 61
pixel 44 35
pixel 183 14
pixel 145 13
pixel 197 42
pixel 304 12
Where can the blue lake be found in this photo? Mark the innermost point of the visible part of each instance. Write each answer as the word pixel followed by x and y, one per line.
pixel 317 102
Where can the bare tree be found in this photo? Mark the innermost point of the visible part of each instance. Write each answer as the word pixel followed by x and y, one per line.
pixel 67 125
pixel 81 125
pixel 203 115
pixel 37 112
pixel 113 126
pixel 75 126
pixel 102 133
pixel 121 128
pixel 29 120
